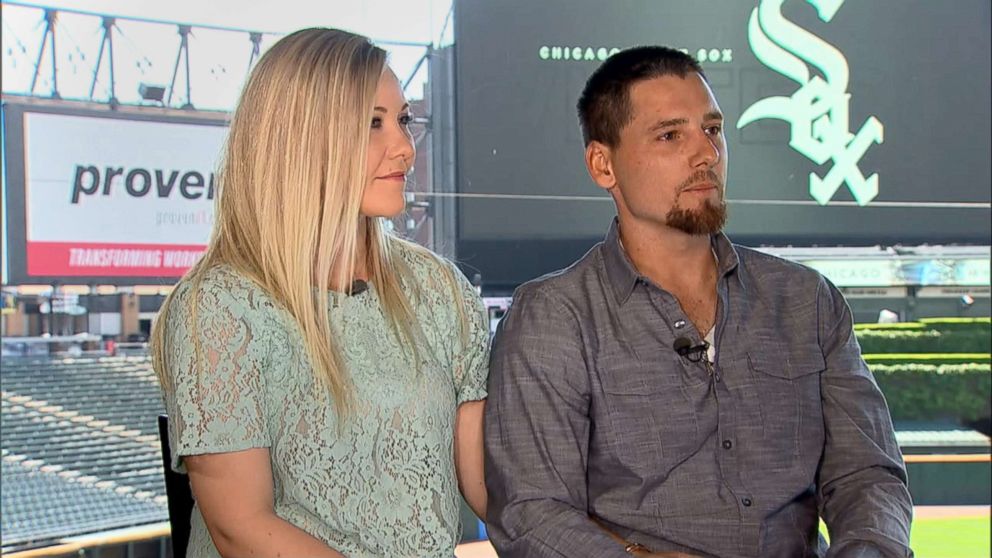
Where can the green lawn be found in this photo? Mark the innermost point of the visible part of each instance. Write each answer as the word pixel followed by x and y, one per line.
pixel 948 538
pixel 951 538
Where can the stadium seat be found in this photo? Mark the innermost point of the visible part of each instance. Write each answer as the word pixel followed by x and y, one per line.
pixel 178 491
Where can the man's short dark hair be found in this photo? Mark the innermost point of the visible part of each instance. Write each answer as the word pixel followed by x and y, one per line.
pixel 604 106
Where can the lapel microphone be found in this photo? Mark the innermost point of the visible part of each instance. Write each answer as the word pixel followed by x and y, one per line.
pixel 684 347
pixel 358 286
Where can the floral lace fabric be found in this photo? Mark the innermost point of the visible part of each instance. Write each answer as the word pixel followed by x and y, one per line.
pixel 383 484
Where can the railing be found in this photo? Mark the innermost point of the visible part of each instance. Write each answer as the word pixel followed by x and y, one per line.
pixel 78 545
pixel 948 458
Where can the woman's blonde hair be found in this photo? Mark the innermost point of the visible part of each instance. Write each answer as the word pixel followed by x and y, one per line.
pixel 291 184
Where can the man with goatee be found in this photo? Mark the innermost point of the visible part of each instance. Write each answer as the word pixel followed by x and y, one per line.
pixel 674 394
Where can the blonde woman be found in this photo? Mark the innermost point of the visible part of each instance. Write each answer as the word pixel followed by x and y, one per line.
pixel 324 380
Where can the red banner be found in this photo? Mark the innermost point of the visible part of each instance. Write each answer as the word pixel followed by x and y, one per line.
pixel 74 259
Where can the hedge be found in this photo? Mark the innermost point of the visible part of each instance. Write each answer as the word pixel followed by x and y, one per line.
pixel 950 340
pixel 901 326
pixel 948 324
pixel 959 392
pixel 940 324
pixel 928 358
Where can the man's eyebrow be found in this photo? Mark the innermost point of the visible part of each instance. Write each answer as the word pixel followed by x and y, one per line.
pixel 667 123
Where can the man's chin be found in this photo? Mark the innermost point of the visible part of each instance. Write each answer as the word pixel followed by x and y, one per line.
pixel 707 220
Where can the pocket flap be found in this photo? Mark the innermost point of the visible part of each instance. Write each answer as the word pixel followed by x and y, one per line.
pixel 787 362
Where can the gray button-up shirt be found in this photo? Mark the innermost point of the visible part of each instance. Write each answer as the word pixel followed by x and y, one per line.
pixel 592 412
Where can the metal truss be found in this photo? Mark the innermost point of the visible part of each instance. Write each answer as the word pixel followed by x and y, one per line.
pixel 414 224
pixel 50 33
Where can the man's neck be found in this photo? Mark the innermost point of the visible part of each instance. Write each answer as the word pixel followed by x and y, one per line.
pixel 669 257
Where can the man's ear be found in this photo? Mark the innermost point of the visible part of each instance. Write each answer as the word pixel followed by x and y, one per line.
pixel 599 163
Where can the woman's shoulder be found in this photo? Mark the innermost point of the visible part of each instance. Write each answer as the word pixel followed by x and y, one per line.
pixel 421 261
pixel 226 291
pixel 440 284
pixel 434 274
pixel 212 281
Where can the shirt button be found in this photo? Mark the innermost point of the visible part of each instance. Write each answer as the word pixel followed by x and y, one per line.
pixel 680 324
pixel 746 502
pixel 727 444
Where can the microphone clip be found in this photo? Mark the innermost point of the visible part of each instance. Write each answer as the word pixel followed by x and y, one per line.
pixel 685 348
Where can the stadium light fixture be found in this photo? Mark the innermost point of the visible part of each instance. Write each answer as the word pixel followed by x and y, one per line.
pixel 151 92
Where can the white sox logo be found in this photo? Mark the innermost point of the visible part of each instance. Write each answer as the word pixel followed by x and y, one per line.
pixel 818 110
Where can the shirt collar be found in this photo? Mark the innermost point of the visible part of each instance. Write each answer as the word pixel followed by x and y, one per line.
pixel 727 260
pixel 619 270
pixel 623 276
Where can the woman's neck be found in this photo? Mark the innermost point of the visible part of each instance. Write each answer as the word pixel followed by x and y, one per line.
pixel 361 270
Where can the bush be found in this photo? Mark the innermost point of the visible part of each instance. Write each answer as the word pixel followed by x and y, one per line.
pixel 960 392
pixel 901 326
pixel 952 339
pixel 928 358
pixel 874 341
pixel 958 324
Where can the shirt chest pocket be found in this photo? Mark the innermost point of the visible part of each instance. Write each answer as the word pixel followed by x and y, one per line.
pixel 651 414
pixel 782 403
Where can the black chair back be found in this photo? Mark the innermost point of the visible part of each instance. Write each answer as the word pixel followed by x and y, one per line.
pixel 178 491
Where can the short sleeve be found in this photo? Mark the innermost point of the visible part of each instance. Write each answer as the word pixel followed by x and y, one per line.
pixel 216 358
pixel 470 365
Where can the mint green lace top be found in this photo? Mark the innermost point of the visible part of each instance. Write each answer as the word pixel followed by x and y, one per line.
pixel 385 484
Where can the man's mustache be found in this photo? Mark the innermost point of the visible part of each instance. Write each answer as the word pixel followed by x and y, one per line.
pixel 698 177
